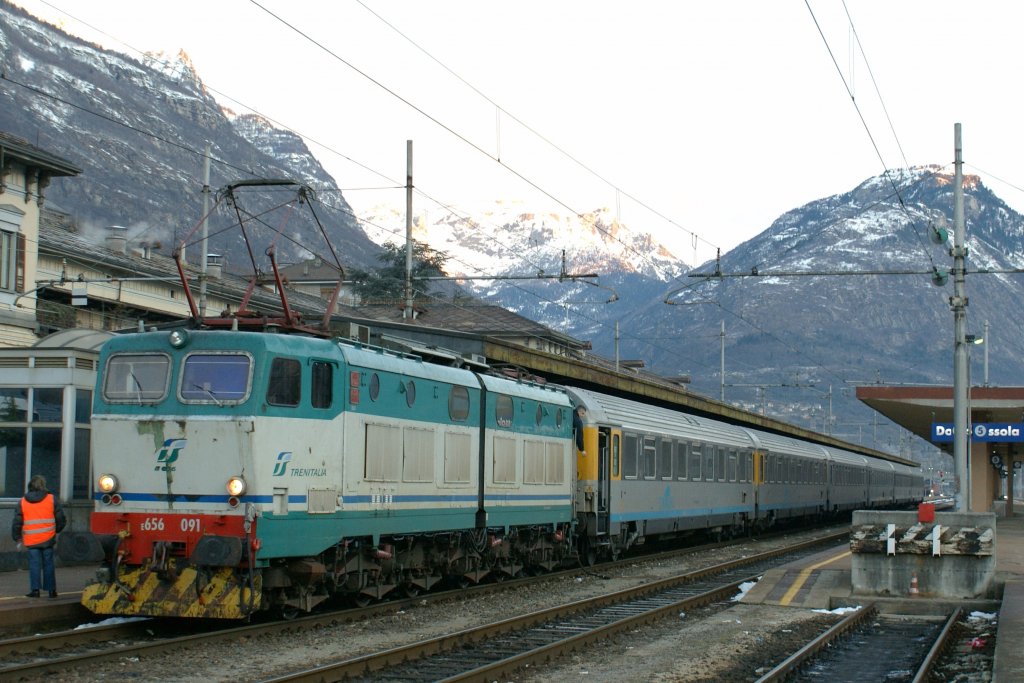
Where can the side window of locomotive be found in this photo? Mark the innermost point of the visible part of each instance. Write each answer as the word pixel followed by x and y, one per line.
pixel 650 457
pixel 136 378
pixel 215 378
pixel 322 391
pixel 504 411
pixel 695 459
pixel 285 385
pixel 629 448
pixel 665 459
pixel 458 404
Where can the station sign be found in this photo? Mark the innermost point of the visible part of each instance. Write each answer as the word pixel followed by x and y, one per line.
pixel 998 432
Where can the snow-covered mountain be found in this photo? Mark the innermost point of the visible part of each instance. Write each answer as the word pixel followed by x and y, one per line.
pixel 138 128
pixel 526 258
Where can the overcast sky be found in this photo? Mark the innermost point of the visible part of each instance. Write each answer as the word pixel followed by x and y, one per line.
pixel 699 121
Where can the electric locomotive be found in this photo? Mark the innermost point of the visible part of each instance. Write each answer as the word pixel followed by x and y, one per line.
pixel 243 471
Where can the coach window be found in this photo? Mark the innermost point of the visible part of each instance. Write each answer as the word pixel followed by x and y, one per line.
pixel 629 448
pixel 616 455
pixel 682 453
pixel 665 459
pixel 323 385
pixel 285 385
pixel 709 462
pixel 650 457
pixel 720 463
pixel 695 462
pixel 732 465
pixel 458 404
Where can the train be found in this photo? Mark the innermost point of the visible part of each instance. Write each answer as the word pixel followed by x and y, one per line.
pixel 242 472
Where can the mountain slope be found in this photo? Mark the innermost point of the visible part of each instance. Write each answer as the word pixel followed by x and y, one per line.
pixel 138 130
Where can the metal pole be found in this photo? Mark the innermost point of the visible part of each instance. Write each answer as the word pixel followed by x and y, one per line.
pixel 829 430
pixel 987 342
pixel 958 302
pixel 616 346
pixel 205 233
pixel 722 373
pixel 407 313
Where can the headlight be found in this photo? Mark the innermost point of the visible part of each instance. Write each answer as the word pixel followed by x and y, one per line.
pixel 236 486
pixel 178 338
pixel 107 483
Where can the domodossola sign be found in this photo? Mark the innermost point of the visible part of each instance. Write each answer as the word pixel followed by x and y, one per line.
pixel 1003 432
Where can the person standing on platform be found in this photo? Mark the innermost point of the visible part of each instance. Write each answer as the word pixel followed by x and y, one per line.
pixel 37 521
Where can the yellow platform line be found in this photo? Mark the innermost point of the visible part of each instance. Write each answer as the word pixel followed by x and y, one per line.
pixel 804 574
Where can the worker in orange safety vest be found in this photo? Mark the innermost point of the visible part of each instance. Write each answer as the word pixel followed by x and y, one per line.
pixel 37 521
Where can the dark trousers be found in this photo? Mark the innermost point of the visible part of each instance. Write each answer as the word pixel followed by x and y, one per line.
pixel 40 565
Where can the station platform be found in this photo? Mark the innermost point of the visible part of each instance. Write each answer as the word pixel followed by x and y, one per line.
pixel 823 581
pixel 18 609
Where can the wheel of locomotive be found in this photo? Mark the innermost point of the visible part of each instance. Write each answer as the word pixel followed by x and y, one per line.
pixel 361 599
pixel 288 612
pixel 410 589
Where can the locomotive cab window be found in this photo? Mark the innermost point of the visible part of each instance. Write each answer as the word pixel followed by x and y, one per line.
pixel 215 378
pixel 136 378
pixel 322 391
pixel 285 385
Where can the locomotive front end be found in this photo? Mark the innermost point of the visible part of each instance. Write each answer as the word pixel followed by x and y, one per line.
pixel 170 449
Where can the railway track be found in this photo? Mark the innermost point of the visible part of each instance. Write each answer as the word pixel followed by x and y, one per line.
pixel 25 657
pixel 495 650
pixel 867 647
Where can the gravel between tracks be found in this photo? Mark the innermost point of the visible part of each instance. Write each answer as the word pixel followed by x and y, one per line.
pixel 720 643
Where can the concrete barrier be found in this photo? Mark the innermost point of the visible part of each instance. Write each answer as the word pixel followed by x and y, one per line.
pixel 894 554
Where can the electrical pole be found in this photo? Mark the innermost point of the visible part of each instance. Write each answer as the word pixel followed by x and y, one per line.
pixel 987 343
pixel 407 312
pixel 205 233
pixel 722 396
pixel 958 302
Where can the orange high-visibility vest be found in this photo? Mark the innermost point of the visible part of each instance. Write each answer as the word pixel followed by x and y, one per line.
pixel 40 521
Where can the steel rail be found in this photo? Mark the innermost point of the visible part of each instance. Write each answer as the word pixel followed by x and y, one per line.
pixel 941 644
pixel 370 665
pixel 801 656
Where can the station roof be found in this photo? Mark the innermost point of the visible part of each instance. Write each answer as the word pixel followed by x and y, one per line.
pixel 915 408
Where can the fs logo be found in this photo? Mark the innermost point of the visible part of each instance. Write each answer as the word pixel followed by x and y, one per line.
pixel 168 454
pixel 283 458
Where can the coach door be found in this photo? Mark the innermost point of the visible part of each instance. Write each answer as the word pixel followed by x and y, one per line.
pixel 609 445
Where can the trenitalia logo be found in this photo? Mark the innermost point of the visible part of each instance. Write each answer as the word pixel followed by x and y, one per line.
pixel 169 453
pixel 283 458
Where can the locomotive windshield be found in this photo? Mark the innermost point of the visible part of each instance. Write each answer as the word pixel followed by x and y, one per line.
pixel 215 377
pixel 137 378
